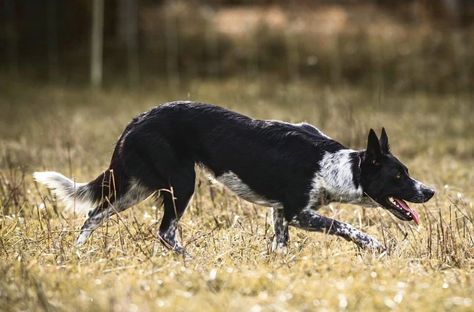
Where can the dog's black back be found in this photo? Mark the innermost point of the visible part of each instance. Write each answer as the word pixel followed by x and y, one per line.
pixel 178 135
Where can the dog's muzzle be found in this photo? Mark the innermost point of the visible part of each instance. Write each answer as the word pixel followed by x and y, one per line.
pixel 427 194
pixel 423 194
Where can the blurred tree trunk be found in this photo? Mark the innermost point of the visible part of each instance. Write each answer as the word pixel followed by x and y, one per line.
pixel 127 29
pixel 212 44
pixel 11 34
pixel 97 42
pixel 172 46
pixel 291 44
pixel 451 11
pixel 53 55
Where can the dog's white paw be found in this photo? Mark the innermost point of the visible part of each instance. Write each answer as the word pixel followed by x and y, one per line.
pixel 375 246
pixel 279 248
pixel 82 238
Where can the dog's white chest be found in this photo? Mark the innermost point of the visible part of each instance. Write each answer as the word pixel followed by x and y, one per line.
pixel 334 181
pixel 236 185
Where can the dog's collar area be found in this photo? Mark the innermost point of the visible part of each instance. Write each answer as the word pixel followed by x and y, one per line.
pixel 357 170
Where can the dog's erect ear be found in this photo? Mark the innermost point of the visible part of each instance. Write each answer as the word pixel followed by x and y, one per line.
pixel 384 146
pixel 373 152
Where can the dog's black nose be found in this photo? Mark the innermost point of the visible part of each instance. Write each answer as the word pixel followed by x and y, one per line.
pixel 428 193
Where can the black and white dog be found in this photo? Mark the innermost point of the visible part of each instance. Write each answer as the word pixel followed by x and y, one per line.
pixel 293 168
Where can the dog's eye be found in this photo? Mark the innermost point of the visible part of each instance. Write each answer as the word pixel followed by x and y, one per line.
pixel 399 175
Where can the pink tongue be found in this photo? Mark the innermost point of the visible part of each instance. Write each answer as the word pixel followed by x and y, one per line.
pixel 413 213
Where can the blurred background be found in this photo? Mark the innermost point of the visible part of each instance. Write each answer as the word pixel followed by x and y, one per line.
pixel 75 72
pixel 401 45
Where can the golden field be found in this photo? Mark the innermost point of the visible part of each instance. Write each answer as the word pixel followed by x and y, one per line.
pixel 124 268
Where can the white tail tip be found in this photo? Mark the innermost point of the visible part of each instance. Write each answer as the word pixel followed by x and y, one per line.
pixel 75 196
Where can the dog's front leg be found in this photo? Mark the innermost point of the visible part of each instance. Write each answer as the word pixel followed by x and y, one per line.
pixel 280 227
pixel 310 220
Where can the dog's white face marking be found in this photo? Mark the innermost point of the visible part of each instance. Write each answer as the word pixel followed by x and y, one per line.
pixel 420 189
pixel 335 179
pixel 419 186
pixel 235 184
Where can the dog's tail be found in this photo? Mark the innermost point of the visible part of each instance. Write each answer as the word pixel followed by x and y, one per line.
pixel 78 197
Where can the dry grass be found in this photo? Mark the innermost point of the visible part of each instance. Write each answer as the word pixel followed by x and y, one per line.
pixel 124 268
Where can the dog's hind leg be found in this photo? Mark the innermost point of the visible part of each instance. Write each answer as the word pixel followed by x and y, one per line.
pixel 280 227
pixel 309 220
pixel 134 194
pixel 175 201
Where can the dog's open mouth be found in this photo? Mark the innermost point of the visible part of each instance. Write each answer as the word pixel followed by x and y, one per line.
pixel 401 210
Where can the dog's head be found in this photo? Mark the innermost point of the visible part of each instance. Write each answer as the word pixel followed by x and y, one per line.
pixel 386 180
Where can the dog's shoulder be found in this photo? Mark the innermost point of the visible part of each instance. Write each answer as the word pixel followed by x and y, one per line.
pixel 191 110
pixel 302 131
pixel 312 130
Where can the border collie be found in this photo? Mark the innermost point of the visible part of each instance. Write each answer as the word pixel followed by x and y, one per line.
pixel 293 168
